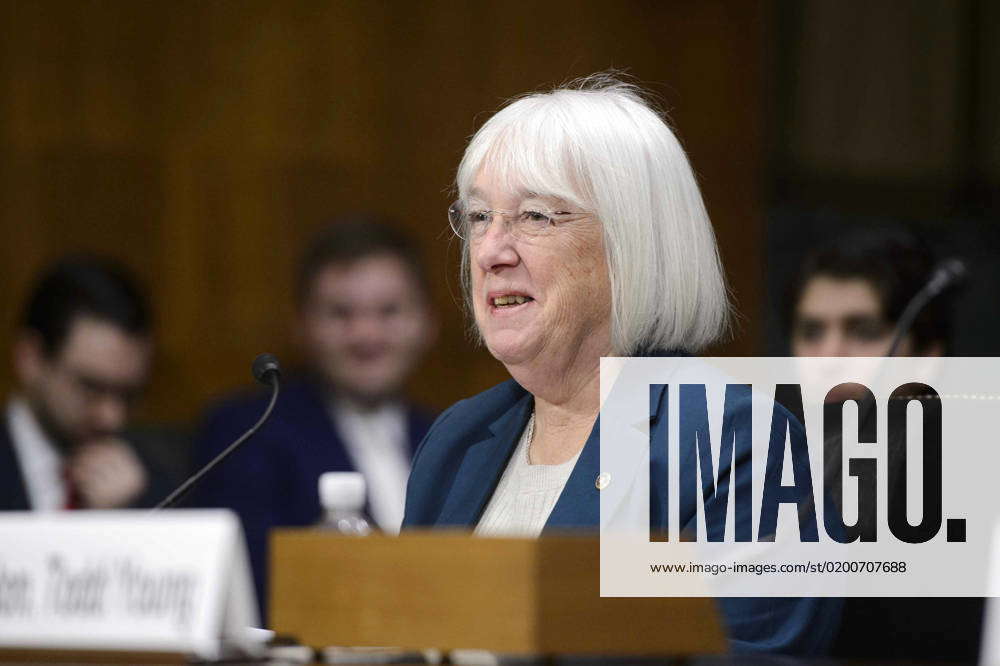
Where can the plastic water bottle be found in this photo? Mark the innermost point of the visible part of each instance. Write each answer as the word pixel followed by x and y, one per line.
pixel 342 495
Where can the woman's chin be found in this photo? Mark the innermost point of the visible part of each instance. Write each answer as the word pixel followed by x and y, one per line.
pixel 510 347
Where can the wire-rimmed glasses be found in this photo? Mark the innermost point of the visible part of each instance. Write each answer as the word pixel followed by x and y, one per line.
pixel 470 222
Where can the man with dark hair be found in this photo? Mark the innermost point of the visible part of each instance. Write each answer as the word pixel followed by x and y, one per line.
pixel 847 300
pixel 364 321
pixel 851 292
pixel 81 357
pixel 364 316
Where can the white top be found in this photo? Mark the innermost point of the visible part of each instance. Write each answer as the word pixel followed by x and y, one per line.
pixel 526 494
pixel 376 441
pixel 40 462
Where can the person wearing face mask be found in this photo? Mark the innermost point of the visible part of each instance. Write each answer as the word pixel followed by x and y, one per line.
pixel 82 357
pixel 363 322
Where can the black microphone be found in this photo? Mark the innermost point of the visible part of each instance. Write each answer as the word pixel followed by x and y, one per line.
pixel 949 273
pixel 266 370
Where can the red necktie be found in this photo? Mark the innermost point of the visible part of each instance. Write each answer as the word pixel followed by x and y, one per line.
pixel 72 492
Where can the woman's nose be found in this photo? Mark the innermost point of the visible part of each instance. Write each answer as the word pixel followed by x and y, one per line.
pixel 495 247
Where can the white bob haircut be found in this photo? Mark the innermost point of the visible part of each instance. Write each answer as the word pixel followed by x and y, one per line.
pixel 597 144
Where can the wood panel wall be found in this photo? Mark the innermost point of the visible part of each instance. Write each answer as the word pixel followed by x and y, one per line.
pixel 203 142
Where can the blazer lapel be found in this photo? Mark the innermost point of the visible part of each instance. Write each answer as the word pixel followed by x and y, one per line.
pixel 313 418
pixel 577 506
pixel 483 465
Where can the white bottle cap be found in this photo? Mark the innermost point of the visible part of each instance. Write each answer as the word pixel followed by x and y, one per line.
pixel 343 491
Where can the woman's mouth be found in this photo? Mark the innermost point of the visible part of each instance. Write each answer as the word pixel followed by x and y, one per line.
pixel 508 302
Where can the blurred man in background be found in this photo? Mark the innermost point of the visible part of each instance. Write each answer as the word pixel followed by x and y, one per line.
pixel 847 301
pixel 851 292
pixel 364 321
pixel 81 358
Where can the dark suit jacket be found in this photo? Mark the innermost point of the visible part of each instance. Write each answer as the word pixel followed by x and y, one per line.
pixel 14 494
pixel 459 464
pixel 922 628
pixel 273 480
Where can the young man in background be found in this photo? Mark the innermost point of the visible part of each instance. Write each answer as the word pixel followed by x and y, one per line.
pixel 363 322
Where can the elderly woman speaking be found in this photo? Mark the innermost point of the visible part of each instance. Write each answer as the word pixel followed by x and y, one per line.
pixel 584 235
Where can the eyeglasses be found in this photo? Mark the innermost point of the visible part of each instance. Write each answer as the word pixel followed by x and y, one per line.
pixel 94 389
pixel 471 223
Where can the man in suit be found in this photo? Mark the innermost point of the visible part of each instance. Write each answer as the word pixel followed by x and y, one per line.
pixel 363 322
pixel 81 357
pixel 846 301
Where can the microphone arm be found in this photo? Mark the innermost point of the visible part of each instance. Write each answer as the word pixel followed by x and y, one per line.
pixel 267 371
pixel 950 272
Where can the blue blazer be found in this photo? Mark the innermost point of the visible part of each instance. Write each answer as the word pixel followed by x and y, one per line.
pixel 457 468
pixel 273 480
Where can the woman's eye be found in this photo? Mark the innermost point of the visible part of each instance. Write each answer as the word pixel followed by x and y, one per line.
pixel 536 216
pixel 478 216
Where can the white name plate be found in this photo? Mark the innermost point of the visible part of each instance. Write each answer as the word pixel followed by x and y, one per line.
pixel 173 581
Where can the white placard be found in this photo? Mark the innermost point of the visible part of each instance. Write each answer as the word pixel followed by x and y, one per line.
pixel 173 581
